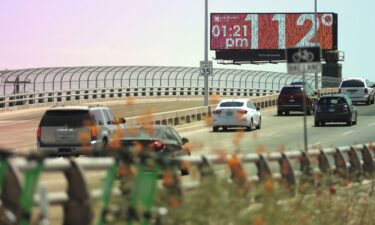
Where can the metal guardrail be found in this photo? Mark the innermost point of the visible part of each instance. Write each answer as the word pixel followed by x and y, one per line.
pixel 73 96
pixel 315 167
pixel 79 96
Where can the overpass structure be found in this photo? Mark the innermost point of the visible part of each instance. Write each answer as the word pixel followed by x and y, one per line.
pixel 61 84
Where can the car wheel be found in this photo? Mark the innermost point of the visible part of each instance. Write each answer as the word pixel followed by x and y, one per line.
pixel 349 122
pixel 355 121
pixel 368 101
pixel 250 127
pixel 259 123
pixel 373 100
pixel 308 111
pixel 279 112
pixel 215 129
pixel 316 123
pixel 286 112
pixel 225 128
pixel 185 172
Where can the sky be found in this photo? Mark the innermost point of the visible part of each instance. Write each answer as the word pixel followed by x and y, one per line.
pixel 40 33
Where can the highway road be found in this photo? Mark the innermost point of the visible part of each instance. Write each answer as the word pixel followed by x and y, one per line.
pixel 18 129
pixel 283 133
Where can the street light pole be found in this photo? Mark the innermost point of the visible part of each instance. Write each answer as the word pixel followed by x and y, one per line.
pixel 206 52
pixel 316 39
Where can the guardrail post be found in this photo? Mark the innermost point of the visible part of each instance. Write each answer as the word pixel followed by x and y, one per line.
pixel 287 172
pixel 325 167
pixel 77 211
pixel 307 178
pixel 368 162
pixel 341 165
pixel 264 171
pixel 11 190
pixel 355 169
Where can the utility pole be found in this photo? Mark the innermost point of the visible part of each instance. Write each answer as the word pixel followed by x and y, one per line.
pixel 206 52
pixel 316 39
pixel 17 83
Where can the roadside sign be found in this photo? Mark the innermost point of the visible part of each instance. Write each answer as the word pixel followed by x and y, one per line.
pixel 304 60
pixel 205 68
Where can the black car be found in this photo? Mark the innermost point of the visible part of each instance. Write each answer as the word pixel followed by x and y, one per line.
pixel 161 139
pixel 335 108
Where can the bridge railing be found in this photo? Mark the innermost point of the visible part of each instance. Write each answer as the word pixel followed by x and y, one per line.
pixel 104 94
pixel 315 167
pixel 116 77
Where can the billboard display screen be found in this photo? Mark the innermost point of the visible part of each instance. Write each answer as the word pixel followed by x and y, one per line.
pixel 272 31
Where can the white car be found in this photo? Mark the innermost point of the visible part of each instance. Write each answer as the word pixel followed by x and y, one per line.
pixel 236 113
pixel 358 90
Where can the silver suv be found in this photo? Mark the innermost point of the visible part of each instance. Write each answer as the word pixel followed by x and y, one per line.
pixel 72 130
pixel 358 90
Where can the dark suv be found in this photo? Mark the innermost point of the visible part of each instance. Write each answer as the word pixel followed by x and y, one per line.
pixel 291 99
pixel 69 130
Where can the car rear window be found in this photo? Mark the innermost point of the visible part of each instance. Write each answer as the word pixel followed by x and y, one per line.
pixel 331 101
pixel 231 104
pixel 143 132
pixel 291 90
pixel 352 83
pixel 70 118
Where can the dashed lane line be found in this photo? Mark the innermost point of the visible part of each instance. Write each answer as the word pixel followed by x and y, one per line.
pixel 348 132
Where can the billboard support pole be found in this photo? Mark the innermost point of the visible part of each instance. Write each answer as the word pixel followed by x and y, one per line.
pixel 206 53
pixel 316 40
pixel 305 146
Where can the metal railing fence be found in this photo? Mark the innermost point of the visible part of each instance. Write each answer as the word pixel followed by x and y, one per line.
pixel 81 78
pixel 315 167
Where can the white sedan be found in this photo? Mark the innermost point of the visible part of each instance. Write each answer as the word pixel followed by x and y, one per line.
pixel 236 113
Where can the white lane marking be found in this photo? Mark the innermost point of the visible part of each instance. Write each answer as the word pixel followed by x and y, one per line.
pixel 317 143
pixel 272 133
pixel 346 133
pixel 371 124
pixel 12 122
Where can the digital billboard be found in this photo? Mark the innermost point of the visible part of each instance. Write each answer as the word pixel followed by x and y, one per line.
pixel 265 36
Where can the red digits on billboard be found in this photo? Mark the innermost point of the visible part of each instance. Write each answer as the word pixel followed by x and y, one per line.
pixel 270 31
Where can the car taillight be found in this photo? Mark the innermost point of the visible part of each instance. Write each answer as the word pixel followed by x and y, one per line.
pixel 39 133
pixel 216 111
pixel 157 146
pixel 346 108
pixel 366 91
pixel 318 109
pixel 94 132
pixel 242 111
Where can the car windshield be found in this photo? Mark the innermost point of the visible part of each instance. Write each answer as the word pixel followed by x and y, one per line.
pixel 70 118
pixel 331 101
pixel 352 83
pixel 143 132
pixel 231 104
pixel 291 90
